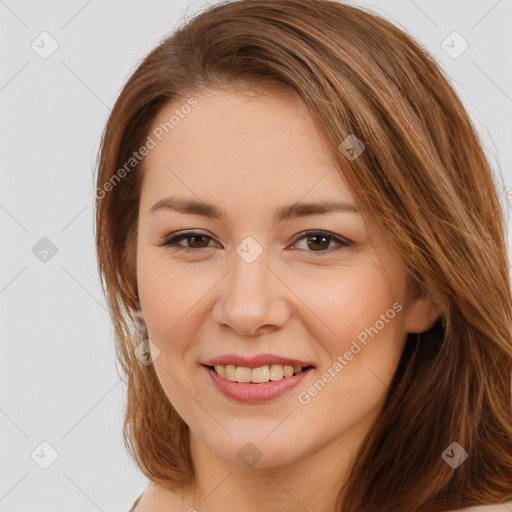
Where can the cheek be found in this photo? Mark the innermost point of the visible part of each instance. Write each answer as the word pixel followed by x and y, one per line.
pixel 174 298
pixel 358 326
pixel 347 304
pixel 360 359
pixel 171 300
pixel 162 295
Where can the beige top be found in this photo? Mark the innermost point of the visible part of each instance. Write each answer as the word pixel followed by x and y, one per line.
pixel 135 503
pixel 483 508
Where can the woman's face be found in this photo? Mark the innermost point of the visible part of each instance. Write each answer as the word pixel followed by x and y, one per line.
pixel 256 289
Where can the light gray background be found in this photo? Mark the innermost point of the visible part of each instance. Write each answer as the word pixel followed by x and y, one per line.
pixel 58 378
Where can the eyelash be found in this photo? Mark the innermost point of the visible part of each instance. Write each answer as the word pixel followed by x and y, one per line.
pixel 172 242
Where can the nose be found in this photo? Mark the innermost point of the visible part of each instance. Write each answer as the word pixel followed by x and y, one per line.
pixel 252 299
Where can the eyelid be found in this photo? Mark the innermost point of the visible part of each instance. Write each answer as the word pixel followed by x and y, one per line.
pixel 171 241
pixel 339 239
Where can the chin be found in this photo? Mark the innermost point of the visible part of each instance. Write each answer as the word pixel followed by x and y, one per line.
pixel 260 449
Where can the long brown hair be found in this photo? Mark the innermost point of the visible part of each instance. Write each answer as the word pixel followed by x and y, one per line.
pixel 423 177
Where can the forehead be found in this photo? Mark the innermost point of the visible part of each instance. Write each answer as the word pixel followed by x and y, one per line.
pixel 231 142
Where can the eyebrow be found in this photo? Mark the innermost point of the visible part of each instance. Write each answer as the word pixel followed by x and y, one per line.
pixel 193 207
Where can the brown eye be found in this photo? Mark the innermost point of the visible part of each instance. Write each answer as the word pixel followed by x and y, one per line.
pixel 198 241
pixel 194 241
pixel 319 242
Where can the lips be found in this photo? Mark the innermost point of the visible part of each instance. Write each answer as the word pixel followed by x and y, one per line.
pixel 256 361
pixel 256 379
pixel 251 393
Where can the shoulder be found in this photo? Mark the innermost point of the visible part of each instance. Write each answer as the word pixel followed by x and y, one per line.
pixel 134 506
pixel 157 498
pixel 135 503
pixel 504 507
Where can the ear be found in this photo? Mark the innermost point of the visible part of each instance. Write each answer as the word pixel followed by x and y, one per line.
pixel 420 313
pixel 138 316
pixel 129 272
pixel 128 265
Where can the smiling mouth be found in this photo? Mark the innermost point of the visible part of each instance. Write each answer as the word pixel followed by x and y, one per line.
pixel 260 375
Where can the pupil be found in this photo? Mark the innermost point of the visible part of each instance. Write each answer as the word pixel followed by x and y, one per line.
pixel 323 238
pixel 194 238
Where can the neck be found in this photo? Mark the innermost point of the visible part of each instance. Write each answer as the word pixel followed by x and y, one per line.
pixel 311 483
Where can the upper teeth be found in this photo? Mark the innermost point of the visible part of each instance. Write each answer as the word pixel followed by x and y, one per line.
pixel 256 375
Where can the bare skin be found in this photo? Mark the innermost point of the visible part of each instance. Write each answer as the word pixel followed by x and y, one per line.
pixel 300 298
pixel 156 498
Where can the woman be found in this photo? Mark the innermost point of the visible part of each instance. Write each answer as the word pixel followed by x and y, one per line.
pixel 302 247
